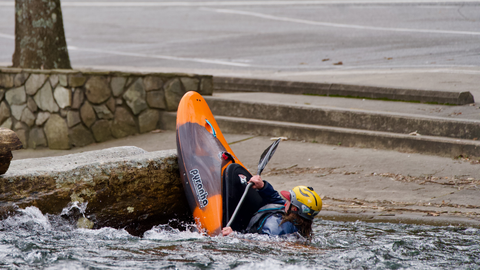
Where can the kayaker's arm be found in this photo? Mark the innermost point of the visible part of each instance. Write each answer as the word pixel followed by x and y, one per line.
pixel 266 191
pixel 268 194
pixel 257 182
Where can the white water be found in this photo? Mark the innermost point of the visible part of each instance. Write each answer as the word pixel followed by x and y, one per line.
pixel 31 240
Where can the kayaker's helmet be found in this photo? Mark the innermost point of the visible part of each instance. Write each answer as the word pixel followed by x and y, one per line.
pixel 306 200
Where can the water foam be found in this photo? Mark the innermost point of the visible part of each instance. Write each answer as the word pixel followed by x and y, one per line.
pixel 29 217
pixel 168 233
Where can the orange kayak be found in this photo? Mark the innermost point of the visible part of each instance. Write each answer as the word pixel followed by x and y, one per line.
pixel 203 155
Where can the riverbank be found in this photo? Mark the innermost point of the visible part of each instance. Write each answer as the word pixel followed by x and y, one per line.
pixel 355 183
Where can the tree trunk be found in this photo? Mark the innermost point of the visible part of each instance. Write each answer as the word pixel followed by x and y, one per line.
pixel 39 36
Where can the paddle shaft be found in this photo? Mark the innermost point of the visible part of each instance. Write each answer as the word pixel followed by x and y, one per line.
pixel 239 204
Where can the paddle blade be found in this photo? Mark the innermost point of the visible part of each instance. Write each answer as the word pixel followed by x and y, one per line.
pixel 267 155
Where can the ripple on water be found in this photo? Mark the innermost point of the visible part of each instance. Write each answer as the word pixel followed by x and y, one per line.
pixel 31 240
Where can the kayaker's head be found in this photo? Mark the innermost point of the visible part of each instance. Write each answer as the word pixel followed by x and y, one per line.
pixel 302 200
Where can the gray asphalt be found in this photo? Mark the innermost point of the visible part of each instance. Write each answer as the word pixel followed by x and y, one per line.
pixel 266 35
pixel 429 44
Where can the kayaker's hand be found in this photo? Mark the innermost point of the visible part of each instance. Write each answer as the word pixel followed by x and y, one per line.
pixel 257 182
pixel 226 231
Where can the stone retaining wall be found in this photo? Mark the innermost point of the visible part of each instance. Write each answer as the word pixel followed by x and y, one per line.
pixel 61 109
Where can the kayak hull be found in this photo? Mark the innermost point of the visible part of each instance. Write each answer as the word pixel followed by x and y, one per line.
pixel 203 157
pixel 200 145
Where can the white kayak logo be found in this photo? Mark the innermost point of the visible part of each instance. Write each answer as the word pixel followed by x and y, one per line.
pixel 199 190
pixel 243 178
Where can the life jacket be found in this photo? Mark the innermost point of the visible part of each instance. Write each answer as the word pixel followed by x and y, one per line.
pixel 258 220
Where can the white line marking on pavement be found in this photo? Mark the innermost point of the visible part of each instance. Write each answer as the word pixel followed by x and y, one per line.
pixel 395 70
pixel 166 57
pixel 340 25
pixel 247 3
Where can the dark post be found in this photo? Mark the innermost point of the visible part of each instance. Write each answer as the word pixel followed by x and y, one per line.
pixel 39 35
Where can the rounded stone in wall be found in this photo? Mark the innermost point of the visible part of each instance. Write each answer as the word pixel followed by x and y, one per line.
pixel 148 120
pixel 124 124
pixel 173 94
pixel 156 99
pixel 190 84
pixel 16 96
pixel 20 79
pixel 73 118
pixel 17 110
pixel 37 138
pixel 4 112
pixel 76 80
pixel 7 123
pixel 135 97
pixel 87 114
pixel 21 130
pixel 97 89
pixel 152 83
pixel 111 104
pixel 77 99
pixel 45 100
pixel 31 104
pixel 54 80
pixel 63 113
pixel 27 117
pixel 63 80
pixel 42 117
pixel 102 112
pixel 102 131
pixel 63 96
pixel 6 80
pixel 56 131
pixel 206 86
pixel 118 85
pixel 34 82
pixel 80 136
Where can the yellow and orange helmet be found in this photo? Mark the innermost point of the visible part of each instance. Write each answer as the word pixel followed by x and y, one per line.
pixel 306 200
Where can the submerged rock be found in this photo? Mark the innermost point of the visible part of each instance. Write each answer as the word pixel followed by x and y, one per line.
pixel 84 223
pixel 124 187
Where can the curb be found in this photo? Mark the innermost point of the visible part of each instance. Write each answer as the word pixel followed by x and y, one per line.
pixel 347 118
pixel 398 217
pixel 232 84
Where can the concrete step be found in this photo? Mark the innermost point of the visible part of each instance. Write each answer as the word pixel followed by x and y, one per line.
pixel 234 84
pixel 433 145
pixel 403 126
pixel 362 119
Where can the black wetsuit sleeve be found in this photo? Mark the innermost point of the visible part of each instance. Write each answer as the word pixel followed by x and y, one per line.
pixel 269 195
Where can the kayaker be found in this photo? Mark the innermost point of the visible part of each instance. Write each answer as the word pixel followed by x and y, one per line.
pixel 285 213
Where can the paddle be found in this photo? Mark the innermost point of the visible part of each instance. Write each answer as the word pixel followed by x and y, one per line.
pixel 264 158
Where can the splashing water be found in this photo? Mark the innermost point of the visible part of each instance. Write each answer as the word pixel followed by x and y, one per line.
pixel 80 207
pixel 31 240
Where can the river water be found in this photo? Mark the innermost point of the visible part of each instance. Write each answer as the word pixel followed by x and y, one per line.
pixel 31 240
